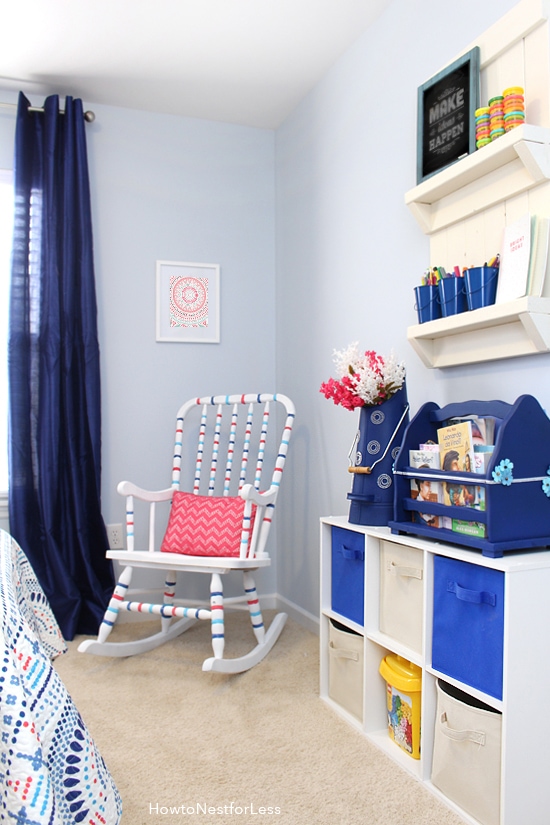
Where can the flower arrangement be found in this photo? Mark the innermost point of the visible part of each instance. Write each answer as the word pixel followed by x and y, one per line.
pixel 364 380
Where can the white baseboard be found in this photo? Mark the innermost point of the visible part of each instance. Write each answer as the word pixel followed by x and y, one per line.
pixel 298 614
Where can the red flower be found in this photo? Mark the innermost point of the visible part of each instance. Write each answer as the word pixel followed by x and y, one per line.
pixel 342 392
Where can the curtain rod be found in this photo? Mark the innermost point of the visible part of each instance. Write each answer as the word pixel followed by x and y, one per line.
pixel 89 117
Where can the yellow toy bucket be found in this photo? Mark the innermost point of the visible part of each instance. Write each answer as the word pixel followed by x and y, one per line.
pixel 403 696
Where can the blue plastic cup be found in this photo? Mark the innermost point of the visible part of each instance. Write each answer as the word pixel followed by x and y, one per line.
pixel 427 303
pixel 452 295
pixel 481 286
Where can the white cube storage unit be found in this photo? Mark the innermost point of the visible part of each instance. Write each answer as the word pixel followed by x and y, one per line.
pixel 480 627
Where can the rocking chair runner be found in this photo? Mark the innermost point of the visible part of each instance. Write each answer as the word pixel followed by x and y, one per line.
pixel 221 524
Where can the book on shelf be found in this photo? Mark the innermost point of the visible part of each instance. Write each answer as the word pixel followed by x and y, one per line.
pixel 424 489
pixel 483 428
pixel 483 454
pixel 425 458
pixel 456 454
pixel 456 450
pixel 479 497
pixel 469 528
pixel 459 494
pixel 515 255
pixel 539 259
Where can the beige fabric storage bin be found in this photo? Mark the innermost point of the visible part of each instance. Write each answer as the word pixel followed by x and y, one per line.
pixel 401 583
pixel 466 756
pixel 345 669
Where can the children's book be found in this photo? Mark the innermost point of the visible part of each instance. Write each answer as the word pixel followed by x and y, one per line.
pixel 469 528
pixel 479 497
pixel 483 428
pixel 424 489
pixel 483 454
pixel 456 454
pixel 456 450
pixel 482 457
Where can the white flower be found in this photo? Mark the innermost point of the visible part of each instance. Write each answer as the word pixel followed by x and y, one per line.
pixel 367 377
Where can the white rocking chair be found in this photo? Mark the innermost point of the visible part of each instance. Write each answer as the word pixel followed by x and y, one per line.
pixel 220 525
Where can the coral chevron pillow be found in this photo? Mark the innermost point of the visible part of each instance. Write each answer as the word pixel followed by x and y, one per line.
pixel 205 525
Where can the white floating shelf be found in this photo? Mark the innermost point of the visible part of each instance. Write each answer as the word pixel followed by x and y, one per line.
pixel 520 327
pixel 524 151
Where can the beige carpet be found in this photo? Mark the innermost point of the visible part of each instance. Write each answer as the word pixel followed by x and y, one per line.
pixel 175 737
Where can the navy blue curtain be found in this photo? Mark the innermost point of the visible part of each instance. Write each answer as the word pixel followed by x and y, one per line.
pixel 53 369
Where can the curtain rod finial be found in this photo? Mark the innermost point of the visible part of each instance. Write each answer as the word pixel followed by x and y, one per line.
pixel 89 117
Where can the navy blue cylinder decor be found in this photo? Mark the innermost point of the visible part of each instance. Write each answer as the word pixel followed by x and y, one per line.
pixel 452 295
pixel 428 303
pixel 481 286
pixel 375 385
pixel 376 445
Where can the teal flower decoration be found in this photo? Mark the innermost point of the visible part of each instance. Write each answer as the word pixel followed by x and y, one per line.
pixel 502 474
pixel 546 484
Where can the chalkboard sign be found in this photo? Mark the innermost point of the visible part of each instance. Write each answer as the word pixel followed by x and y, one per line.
pixel 446 120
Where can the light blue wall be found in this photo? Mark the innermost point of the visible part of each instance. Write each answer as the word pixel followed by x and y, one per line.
pixel 177 189
pixel 349 254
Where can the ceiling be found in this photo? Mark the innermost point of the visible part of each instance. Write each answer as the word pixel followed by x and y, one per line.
pixel 240 61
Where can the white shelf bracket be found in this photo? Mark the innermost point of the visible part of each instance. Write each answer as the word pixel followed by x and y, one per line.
pixel 536 159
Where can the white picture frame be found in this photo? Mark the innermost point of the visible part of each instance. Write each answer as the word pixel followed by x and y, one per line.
pixel 187 302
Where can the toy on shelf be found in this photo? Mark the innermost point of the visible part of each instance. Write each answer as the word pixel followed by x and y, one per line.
pixel 504 112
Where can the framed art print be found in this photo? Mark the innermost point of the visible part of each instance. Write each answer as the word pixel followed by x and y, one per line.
pixel 188 302
pixel 446 115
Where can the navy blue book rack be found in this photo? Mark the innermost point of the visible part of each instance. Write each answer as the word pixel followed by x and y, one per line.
pixel 516 482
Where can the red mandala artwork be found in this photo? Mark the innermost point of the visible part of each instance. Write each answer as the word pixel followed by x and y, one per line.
pixel 188 302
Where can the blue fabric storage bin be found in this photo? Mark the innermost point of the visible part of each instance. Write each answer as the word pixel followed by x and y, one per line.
pixel 468 624
pixel 348 573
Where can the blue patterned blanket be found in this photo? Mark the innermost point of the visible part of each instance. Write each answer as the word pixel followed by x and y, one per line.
pixel 51 773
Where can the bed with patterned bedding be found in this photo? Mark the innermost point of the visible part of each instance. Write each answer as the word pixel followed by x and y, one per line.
pixel 51 773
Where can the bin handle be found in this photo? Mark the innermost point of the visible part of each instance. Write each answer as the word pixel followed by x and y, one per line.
pixel 341 653
pixel 472 596
pixel 477 736
pixel 408 572
pixel 351 553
